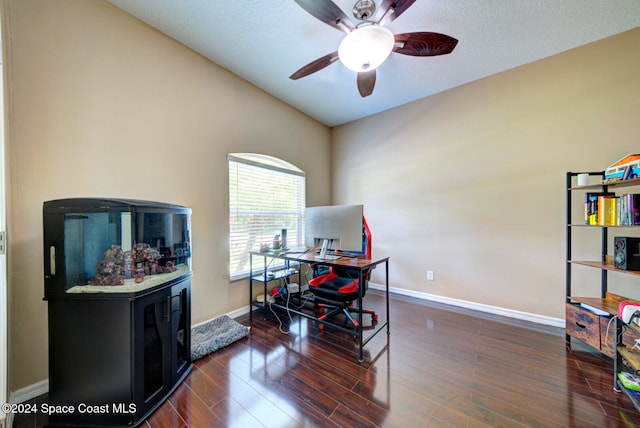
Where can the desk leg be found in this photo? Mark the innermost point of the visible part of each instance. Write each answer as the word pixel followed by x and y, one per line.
pixel 265 301
pixel 360 345
pixel 251 287
pixel 386 270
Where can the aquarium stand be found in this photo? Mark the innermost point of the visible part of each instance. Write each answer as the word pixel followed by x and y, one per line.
pixel 120 356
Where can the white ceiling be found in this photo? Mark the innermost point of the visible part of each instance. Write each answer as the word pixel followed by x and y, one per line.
pixel 265 41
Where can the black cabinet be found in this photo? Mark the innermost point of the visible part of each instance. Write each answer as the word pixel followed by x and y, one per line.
pixel 118 355
pixel 117 284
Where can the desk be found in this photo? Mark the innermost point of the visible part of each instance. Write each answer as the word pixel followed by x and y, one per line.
pixel 357 264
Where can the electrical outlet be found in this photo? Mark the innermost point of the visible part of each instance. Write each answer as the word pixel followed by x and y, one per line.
pixel 429 275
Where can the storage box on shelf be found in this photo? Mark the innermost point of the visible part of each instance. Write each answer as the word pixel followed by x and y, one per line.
pixel 589 318
pixel 593 329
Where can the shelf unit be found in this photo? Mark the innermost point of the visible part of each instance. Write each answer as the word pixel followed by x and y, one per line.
pixel 627 359
pixel 581 322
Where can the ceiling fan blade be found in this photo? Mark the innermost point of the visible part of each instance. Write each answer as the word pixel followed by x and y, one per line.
pixel 316 65
pixel 424 44
pixel 366 82
pixel 329 13
pixel 398 6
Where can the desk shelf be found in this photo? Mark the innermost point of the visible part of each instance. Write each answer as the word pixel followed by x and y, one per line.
pixel 278 274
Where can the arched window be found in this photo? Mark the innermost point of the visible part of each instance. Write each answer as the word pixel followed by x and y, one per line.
pixel 266 195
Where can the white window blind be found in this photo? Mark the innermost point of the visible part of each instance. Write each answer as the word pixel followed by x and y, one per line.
pixel 266 195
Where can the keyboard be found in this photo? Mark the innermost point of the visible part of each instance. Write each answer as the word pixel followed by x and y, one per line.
pixel 297 250
pixel 327 257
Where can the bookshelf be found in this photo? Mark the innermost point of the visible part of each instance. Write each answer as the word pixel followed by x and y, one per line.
pixel 590 318
pixel 626 360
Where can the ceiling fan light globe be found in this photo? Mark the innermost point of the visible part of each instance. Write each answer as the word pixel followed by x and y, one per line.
pixel 365 48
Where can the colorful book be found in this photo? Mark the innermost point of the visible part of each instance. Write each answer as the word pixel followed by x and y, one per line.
pixel 591 206
pixel 618 210
pixel 607 211
pixel 630 209
pixel 624 211
pixel 629 381
pixel 634 208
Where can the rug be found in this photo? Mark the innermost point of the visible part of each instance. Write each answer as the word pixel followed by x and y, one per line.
pixel 215 334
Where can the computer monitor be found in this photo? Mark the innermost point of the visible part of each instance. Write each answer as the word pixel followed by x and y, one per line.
pixel 334 227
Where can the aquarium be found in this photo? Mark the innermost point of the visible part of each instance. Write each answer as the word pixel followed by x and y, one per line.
pixel 114 245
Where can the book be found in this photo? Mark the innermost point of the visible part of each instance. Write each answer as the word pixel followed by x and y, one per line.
pixel 618 211
pixel 611 211
pixel 634 209
pixel 607 211
pixel 629 381
pixel 591 206
pixel 624 211
pixel 629 209
pixel 594 310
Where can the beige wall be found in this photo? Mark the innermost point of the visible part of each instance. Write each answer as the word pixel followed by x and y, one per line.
pixel 469 183
pixel 102 105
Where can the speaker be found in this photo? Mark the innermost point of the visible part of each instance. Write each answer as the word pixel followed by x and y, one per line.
pixel 626 254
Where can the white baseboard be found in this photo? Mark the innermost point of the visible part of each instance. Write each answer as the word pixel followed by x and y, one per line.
pixel 233 314
pixel 238 312
pixel 495 310
pixel 25 394
pixel 29 392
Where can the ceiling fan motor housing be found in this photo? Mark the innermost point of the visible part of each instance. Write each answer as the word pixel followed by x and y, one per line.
pixel 364 9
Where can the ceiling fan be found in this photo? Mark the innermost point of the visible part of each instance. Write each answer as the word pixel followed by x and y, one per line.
pixel 368 43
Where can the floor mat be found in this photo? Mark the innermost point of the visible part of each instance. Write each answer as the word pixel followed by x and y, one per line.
pixel 215 334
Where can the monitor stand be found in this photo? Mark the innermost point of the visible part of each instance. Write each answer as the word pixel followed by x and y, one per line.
pixel 323 252
pixel 325 245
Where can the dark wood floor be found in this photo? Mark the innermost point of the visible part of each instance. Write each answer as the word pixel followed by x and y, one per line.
pixel 439 367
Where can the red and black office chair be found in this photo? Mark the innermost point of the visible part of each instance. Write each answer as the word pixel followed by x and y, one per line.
pixel 336 291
